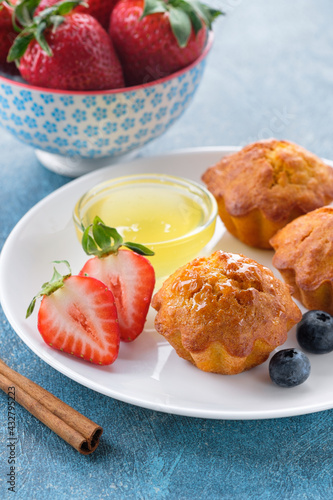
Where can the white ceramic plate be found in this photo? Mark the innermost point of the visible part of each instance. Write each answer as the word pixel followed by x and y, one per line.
pixel 147 373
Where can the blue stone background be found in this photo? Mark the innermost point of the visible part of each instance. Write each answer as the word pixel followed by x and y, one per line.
pixel 270 73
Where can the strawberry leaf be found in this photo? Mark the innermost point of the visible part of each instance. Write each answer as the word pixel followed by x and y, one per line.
pixel 35 27
pixel 138 248
pixel 24 11
pixel 67 6
pixel 153 7
pixel 56 282
pixel 88 243
pixel 107 238
pixel 66 264
pixel 61 8
pixel 205 12
pixel 187 7
pixel 39 35
pixel 181 25
pixel 101 240
pixel 19 46
pixel 56 21
pixel 195 20
pixel 183 15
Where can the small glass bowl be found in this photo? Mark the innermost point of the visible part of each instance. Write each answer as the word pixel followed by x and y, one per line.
pixel 173 216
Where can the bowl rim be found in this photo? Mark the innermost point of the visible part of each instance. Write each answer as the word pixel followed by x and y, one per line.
pixel 121 90
pixel 183 182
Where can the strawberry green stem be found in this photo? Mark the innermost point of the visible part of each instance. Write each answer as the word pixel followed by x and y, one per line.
pixel 101 240
pixel 33 27
pixel 183 16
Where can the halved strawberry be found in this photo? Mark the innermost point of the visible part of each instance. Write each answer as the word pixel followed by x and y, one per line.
pixel 128 274
pixel 78 315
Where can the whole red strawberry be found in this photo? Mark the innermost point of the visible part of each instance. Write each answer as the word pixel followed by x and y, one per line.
pixel 7 32
pixel 99 9
pixel 155 38
pixel 60 49
pixel 127 273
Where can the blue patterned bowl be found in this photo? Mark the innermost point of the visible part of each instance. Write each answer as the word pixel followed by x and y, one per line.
pixel 75 132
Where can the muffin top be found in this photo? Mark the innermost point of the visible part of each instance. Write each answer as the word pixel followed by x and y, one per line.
pixel 228 298
pixel 305 245
pixel 276 177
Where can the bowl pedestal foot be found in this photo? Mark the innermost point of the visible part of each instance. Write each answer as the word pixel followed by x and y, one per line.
pixel 76 166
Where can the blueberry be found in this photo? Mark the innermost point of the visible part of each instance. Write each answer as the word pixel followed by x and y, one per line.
pixel 315 332
pixel 289 367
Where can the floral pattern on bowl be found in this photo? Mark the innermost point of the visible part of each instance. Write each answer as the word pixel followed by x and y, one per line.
pixel 97 124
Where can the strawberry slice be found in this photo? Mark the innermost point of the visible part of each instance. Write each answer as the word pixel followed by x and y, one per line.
pixel 78 315
pixel 131 279
pixel 128 274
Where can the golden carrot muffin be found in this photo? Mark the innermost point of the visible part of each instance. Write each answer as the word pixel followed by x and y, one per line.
pixel 224 313
pixel 265 186
pixel 304 257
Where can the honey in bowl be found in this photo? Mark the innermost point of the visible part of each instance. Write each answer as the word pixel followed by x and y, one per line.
pixel 173 216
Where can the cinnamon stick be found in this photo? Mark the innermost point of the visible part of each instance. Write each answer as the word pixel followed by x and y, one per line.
pixel 76 429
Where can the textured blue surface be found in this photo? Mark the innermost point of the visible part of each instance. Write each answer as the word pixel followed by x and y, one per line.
pixel 270 73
